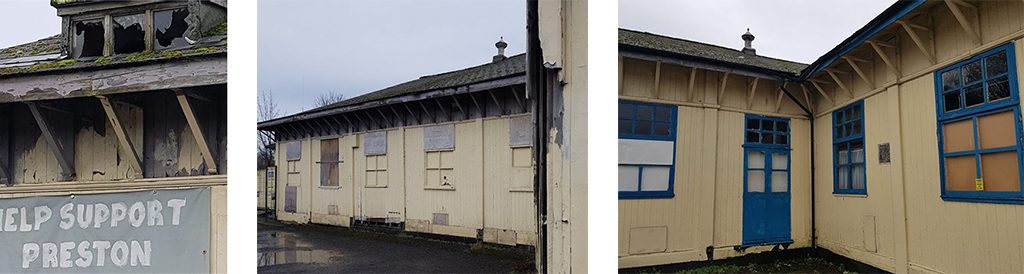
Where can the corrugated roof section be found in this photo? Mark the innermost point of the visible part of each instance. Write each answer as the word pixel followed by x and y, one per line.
pixel 698 49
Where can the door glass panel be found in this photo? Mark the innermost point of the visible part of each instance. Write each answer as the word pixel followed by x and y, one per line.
pixel 780 181
pixel 654 178
pixel 755 181
pixel 755 159
pixel 629 177
pixel 767 138
pixel 767 125
pixel 779 161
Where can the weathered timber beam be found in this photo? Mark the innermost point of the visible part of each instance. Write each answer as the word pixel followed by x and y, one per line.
pixel 917 40
pixel 807 97
pixel 885 58
pixel 427 111
pixel 968 27
pixel 193 95
pixel 881 44
pixel 753 90
pixel 391 122
pixel 479 107
pixel 693 78
pixel 398 116
pixel 496 102
pixel 515 93
pixel 863 76
pixel 621 74
pixel 319 128
pixel 822 91
pixel 840 83
pixel 721 87
pixel 66 164
pixel 413 114
pixel 965 4
pixel 124 140
pixel 340 125
pixel 778 100
pixel 375 121
pixel 5 175
pixel 197 132
pixel 465 114
pixel 657 79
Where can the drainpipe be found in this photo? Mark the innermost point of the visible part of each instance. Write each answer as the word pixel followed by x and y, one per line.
pixel 535 85
pixel 810 116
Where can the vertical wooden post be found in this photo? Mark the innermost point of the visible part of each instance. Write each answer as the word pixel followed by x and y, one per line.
pixel 66 165
pixel 197 132
pixel 124 140
pixel 108 35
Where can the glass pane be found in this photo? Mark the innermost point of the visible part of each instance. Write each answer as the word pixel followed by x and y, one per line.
pixel 626 110
pixel 958 136
pixel 644 112
pixel 629 178
pixel 848 129
pixel 857 151
pixel 88 39
pixel 780 181
pixel 643 127
pixel 858 127
pixel 755 159
pixel 767 125
pixel 781 139
pixel 840 131
pixel 782 126
pixel 843 177
pixel 840 118
pixel 974 95
pixel 661 129
pixel 998 89
pixel 625 126
pixel 997 130
pixel 755 181
pixel 169 28
pixel 950 79
pixel 753 124
pixel 859 182
pixel 999 171
pixel 842 154
pixel 655 178
pixel 972 72
pixel 960 173
pixel 951 101
pixel 129 35
pixel 663 113
pixel 767 138
pixel 995 64
pixel 780 161
pixel 857 113
pixel 753 137
pixel 849 114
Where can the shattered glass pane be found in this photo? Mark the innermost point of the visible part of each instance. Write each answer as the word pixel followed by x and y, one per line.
pixel 998 89
pixel 169 28
pixel 995 64
pixel 129 34
pixel 972 72
pixel 88 39
pixel 950 79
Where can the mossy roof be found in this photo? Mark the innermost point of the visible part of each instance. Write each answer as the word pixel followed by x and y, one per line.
pixel 512 66
pixel 697 49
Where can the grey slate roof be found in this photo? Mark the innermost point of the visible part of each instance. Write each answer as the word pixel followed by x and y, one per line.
pixel 698 49
pixel 512 66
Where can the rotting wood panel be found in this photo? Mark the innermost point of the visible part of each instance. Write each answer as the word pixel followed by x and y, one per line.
pixel 33 161
pixel 5 144
pixel 169 148
pixel 184 73
pixel 97 154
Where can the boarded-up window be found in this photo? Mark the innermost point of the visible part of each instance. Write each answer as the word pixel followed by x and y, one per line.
pixel 440 168
pixel 293 151
pixel 375 143
pixel 329 163
pixel 291 193
pixel 522 168
pixel 979 128
pixel 377 170
pixel 439 137
pixel 520 131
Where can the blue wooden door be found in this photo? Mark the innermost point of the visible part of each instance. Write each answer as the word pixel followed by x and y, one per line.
pixel 766 198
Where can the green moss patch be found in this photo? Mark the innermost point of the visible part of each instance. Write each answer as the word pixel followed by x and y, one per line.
pixel 219 29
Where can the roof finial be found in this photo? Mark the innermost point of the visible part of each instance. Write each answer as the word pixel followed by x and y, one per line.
pixel 747 39
pixel 501 45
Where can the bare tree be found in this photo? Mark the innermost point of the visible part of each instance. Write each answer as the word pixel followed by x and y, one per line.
pixel 325 99
pixel 266 110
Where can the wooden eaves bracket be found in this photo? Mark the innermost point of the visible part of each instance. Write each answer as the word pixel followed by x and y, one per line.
pixel 66 165
pixel 197 132
pixel 124 140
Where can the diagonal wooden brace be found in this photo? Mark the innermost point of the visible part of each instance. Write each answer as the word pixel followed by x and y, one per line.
pixel 66 165
pixel 197 132
pixel 124 141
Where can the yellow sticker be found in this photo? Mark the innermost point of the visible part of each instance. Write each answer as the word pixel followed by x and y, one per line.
pixel 979 184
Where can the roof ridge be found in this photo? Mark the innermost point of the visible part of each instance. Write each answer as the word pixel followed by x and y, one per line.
pixel 33 42
pixel 708 44
pixel 464 69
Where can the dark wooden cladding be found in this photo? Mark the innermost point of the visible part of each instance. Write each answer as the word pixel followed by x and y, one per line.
pixel 457 107
pixel 329 163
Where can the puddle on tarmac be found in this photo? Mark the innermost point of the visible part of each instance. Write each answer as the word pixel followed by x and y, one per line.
pixel 294 256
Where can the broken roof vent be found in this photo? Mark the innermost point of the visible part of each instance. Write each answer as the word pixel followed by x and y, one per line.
pixel 747 39
pixel 501 45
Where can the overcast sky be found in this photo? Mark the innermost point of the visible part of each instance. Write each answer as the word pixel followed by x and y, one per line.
pixel 354 47
pixel 26 21
pixel 796 30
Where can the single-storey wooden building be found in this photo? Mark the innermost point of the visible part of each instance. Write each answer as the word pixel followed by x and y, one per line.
pixel 130 96
pixel 904 145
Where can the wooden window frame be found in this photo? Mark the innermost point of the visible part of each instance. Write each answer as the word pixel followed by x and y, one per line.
pixel 106 19
pixel 375 170
pixel 441 167
pixel 847 141
pixel 650 194
pixel 1012 103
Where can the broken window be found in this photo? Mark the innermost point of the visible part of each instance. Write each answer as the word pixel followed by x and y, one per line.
pixel 129 33
pixel 88 39
pixel 169 28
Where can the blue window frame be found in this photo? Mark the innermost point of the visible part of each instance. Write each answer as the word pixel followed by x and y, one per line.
pixel 848 160
pixel 647 139
pixel 979 129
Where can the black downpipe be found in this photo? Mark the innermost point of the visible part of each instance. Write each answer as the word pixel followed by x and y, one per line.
pixel 810 116
pixel 536 87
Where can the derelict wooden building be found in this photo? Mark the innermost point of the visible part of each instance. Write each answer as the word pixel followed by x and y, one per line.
pixel 129 96
pixel 915 159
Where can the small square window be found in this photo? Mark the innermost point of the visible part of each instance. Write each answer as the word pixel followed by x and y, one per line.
pixel 169 29
pixel 995 64
pixel 129 33
pixel 88 38
pixel 972 72
pixel 950 79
